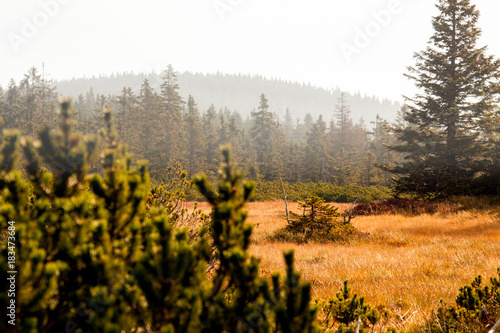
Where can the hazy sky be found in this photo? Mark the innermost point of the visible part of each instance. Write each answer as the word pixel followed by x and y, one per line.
pixel 359 45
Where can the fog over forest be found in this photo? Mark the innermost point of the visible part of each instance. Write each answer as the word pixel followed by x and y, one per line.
pixel 238 93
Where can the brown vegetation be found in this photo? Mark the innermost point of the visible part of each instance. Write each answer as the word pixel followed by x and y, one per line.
pixel 409 263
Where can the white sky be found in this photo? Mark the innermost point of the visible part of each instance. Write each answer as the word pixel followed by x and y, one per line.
pixel 293 40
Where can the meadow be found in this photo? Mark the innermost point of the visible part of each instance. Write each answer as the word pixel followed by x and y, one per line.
pixel 406 264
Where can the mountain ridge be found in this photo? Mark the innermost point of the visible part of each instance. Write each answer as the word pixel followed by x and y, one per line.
pixel 240 92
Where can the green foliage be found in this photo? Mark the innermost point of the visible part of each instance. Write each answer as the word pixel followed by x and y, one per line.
pixel 265 191
pixel 61 238
pixel 345 311
pixel 105 254
pixel 477 308
pixel 253 306
pixel 317 216
pixel 318 222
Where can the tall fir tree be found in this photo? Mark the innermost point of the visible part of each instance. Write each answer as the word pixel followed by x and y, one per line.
pixel 344 121
pixel 316 157
pixel 195 138
pixel 171 117
pixel 37 101
pixel 262 132
pixel 127 109
pixel 12 112
pixel 146 123
pixel 342 147
pixel 212 139
pixel 444 143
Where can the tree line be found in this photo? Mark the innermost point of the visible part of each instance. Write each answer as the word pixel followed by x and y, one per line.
pixel 163 128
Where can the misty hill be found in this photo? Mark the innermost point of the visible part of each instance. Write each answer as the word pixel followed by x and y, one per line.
pixel 241 93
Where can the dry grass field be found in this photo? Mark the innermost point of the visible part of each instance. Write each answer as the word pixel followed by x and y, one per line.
pixel 408 264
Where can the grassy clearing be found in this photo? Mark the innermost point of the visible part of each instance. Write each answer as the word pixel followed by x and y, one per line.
pixel 408 264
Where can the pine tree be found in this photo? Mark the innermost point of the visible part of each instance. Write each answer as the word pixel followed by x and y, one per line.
pixel 171 117
pixel 381 138
pixel 316 157
pixel 146 122
pixel 37 99
pixel 195 139
pixel 262 132
pixel 342 148
pixel 444 141
pixel 316 221
pixel 127 103
pixel 288 125
pixel 212 139
pixel 344 121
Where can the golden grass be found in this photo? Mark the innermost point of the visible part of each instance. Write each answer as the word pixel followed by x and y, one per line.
pixel 408 264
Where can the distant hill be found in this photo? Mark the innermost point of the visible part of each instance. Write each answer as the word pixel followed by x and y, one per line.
pixel 241 93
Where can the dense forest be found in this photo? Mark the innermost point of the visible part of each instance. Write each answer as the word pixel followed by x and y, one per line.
pixel 163 128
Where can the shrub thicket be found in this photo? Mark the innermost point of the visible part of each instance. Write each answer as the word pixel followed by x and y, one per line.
pixel 327 191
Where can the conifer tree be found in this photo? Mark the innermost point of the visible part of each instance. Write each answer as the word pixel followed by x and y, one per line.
pixel 146 122
pixel 344 121
pixel 288 125
pixel 316 221
pixel 317 159
pixel 12 112
pixel 262 132
pixel 171 117
pixel 195 139
pixel 342 148
pixel 127 103
pixel 37 100
pixel 381 138
pixel 448 120
pixel 212 140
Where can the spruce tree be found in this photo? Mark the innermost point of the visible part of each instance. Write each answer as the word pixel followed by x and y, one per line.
pixel 171 117
pixel 342 148
pixel 445 142
pixel 344 121
pixel 37 101
pixel 212 139
pixel 146 123
pixel 195 139
pixel 127 109
pixel 262 132
pixel 317 159
pixel 12 113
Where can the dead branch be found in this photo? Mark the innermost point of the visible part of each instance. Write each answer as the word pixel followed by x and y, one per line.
pixel 350 212
pixel 494 327
pixel 286 202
